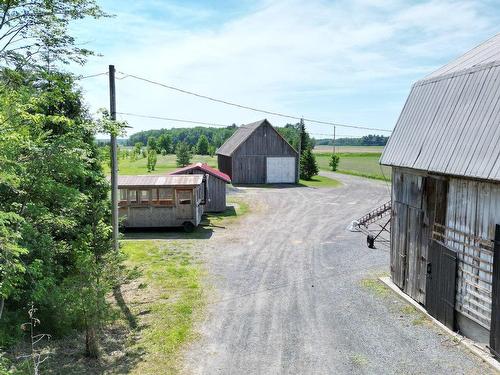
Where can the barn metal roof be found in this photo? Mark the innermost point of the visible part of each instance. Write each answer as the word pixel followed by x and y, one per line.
pixel 450 123
pixel 205 168
pixel 238 138
pixel 155 181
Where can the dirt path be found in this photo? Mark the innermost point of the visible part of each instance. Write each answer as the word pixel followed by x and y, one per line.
pixel 291 294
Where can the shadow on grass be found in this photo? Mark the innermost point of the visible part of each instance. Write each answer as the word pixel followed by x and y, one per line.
pixel 120 301
pixel 268 186
pixel 67 355
pixel 166 233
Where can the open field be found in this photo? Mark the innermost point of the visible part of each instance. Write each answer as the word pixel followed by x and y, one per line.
pixel 349 149
pixel 165 164
pixel 359 164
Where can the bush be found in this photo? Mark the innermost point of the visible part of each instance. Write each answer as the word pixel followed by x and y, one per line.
pixel 334 162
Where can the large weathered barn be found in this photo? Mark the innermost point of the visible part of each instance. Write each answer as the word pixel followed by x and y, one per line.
pixel 217 181
pixel 445 154
pixel 257 154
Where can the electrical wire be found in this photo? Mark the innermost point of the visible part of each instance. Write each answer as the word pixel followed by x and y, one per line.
pixel 126 75
pixel 171 119
pixel 91 76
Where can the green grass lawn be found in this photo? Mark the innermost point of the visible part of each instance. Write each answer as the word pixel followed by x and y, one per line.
pixel 320 182
pixel 165 164
pixel 365 164
pixel 166 299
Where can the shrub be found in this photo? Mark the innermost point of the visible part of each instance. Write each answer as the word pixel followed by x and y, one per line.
pixel 334 162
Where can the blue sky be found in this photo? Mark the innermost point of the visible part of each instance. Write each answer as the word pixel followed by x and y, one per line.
pixel 350 62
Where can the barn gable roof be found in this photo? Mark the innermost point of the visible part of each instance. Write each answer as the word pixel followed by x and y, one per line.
pixel 205 168
pixel 239 137
pixel 450 123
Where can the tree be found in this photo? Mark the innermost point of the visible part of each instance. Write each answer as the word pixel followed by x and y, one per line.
pixel 334 162
pixel 37 31
pixel 151 159
pixel 54 211
pixel 202 145
pixel 138 149
pixel 308 165
pixel 183 154
pixel 211 150
pixel 152 144
pixel 165 143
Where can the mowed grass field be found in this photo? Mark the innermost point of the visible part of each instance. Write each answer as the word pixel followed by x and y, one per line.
pixel 164 164
pixel 355 160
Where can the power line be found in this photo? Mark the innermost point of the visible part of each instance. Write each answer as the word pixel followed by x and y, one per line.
pixel 91 76
pixel 126 75
pixel 171 119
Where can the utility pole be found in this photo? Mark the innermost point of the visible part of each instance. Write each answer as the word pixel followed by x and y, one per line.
pixel 114 159
pixel 334 128
pixel 301 128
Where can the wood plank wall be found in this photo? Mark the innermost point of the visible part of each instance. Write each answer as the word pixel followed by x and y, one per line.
pixel 473 209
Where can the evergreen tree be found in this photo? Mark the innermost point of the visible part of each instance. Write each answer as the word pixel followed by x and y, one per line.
pixel 308 165
pixel 202 145
pixel 183 154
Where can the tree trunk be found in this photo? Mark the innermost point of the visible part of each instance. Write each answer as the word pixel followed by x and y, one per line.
pixel 2 301
pixel 91 342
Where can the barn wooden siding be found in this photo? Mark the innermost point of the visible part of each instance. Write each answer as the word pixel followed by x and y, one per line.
pixel 224 164
pixel 413 209
pixel 246 163
pixel 473 209
pixel 216 197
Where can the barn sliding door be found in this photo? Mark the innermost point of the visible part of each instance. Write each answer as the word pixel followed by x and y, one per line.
pixel 495 305
pixel 441 283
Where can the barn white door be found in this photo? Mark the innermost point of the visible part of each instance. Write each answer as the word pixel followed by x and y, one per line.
pixel 280 170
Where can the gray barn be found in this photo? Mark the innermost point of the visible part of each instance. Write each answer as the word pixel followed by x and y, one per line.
pixel 445 154
pixel 217 181
pixel 257 154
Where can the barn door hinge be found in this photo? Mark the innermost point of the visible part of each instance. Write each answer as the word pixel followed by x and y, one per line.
pixel 429 268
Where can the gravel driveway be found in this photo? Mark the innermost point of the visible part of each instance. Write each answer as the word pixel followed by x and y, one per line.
pixel 291 294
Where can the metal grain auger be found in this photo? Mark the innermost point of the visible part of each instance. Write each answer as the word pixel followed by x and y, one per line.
pixel 373 224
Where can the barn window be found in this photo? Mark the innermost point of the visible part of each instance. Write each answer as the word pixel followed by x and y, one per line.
pixel 133 196
pixel 123 197
pixel 144 196
pixel 166 196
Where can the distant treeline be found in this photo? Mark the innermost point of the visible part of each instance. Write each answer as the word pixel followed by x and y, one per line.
pixel 215 136
pixel 367 140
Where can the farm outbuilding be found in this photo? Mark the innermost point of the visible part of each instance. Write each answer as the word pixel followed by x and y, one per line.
pixel 445 154
pixel 217 181
pixel 161 201
pixel 257 154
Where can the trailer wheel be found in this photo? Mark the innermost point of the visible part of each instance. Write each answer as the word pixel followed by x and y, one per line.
pixel 188 226
pixel 370 241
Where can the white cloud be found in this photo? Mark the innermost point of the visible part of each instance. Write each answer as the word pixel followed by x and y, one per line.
pixel 346 61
